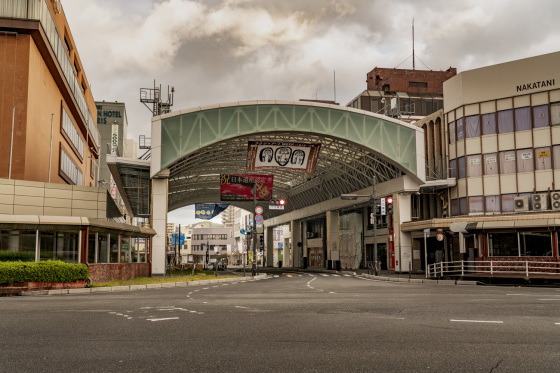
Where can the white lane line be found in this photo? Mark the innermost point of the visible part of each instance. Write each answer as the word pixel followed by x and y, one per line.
pixel 164 319
pixel 205 288
pixel 557 323
pixel 550 299
pixel 322 274
pixel 389 317
pixel 288 275
pixel 241 307
pixel 336 275
pixel 479 321
pixel 346 275
pixel 276 276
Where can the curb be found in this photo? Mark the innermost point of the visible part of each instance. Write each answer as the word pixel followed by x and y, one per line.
pixel 110 289
pixel 420 281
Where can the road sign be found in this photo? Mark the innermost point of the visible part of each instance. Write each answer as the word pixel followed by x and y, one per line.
pixel 242 231
pixel 258 218
pixel 383 207
pixel 439 236
pixel 258 210
pixel 427 231
pixel 275 207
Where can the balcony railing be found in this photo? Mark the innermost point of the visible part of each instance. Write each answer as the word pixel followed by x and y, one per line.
pixel 526 268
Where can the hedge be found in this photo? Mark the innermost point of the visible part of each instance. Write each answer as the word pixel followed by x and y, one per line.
pixel 16 256
pixel 47 271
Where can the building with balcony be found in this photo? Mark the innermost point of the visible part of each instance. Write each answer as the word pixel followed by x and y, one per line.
pixel 50 203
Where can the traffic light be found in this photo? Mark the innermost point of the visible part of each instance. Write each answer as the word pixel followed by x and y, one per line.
pixel 389 205
pixel 261 240
pixel 277 204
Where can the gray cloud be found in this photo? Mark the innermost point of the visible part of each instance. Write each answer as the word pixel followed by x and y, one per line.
pixel 234 50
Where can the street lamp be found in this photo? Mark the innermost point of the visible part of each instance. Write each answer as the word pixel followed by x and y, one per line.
pixel 373 217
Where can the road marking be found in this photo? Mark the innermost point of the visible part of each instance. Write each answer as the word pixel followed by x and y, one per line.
pixel 167 318
pixel 288 275
pixel 557 323
pixel 332 292
pixel 550 299
pixel 336 275
pixel 346 275
pixel 205 288
pixel 322 274
pixel 276 276
pixel 479 321
pixel 241 307
pixel 390 317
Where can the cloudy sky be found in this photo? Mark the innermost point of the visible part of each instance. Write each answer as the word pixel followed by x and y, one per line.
pixel 216 51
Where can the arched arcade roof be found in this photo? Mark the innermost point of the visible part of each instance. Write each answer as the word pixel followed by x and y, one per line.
pixel 198 144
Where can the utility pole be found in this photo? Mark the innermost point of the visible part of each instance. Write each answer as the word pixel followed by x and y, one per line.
pixel 374 212
pixel 254 231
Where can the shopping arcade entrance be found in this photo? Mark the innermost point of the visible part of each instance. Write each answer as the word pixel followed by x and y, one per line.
pixel 191 148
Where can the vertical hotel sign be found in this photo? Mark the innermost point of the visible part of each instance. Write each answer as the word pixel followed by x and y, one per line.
pixel 115 139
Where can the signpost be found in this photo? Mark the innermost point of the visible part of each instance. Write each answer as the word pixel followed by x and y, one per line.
pixel 426 234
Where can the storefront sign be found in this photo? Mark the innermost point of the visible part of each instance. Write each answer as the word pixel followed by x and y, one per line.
pixel 297 157
pixel 543 154
pixel 535 85
pixel 234 187
pixel 207 211
pixel 526 155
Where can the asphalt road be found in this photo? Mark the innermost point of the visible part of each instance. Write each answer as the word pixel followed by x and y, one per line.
pixel 292 322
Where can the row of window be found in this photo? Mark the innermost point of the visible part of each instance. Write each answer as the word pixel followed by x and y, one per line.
pixel 69 168
pixel 520 244
pixel 504 121
pixel 510 161
pixel 209 236
pixel 480 204
pixel 65 246
pixel 211 249
pixel 72 133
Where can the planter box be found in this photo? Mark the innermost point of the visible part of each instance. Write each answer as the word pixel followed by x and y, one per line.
pixel 41 285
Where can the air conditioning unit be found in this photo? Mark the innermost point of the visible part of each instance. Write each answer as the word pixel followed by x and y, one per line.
pixel 521 204
pixel 540 201
pixel 555 199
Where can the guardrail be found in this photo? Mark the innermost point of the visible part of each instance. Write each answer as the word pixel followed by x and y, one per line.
pixel 492 267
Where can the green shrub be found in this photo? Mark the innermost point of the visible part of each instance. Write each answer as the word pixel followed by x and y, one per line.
pixel 48 271
pixel 15 256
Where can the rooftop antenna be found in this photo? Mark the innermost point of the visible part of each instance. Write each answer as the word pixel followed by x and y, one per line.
pixel 413 62
pixel 334 82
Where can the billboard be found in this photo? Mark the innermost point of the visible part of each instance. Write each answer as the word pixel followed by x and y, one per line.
pixel 297 157
pixel 239 187
pixel 207 211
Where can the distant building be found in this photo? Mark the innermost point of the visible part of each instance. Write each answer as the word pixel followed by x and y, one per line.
pixel 211 243
pixel 405 94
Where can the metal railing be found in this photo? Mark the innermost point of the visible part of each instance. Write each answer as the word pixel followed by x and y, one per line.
pixel 493 267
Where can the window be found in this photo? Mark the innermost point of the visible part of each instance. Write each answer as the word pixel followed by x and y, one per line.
pixel 472 126
pixel 492 203
pixel 461 171
pixel 474 166
pixel 59 246
pixel 556 154
pixel 476 204
pixel 418 84
pixel 453 168
pixel 508 204
pixel 525 160
pixel 69 169
pixel 540 116
pixel 544 160
pixel 523 119
pixel 505 121
pixel 114 248
pixel 463 206
pixel 91 247
pixel 491 164
pixel 102 249
pixel 535 243
pixel 451 133
pixel 17 245
pixel 503 244
pixel 127 256
pixel 454 207
pixel 489 124
pixel 460 133
pixel 507 162
pixel 555 113
pixel 72 133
